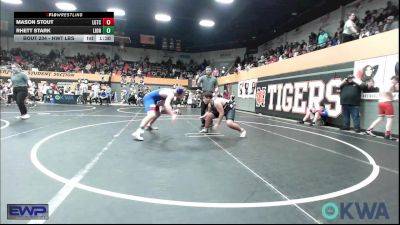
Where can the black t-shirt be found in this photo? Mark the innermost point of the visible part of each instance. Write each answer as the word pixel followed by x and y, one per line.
pixel 350 93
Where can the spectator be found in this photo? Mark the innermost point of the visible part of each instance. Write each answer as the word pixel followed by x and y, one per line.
pixel 365 33
pixel 335 40
pixel 296 51
pixel 226 94
pixel 350 29
pixel 216 72
pixel 303 44
pixel 340 31
pixel 391 10
pixel 239 67
pixel 261 62
pixel 84 90
pixel 367 17
pixel 390 24
pixel 9 92
pixel 312 38
pixel 350 98
pixel 44 91
pixel 322 39
pixel 132 97
pixel 95 93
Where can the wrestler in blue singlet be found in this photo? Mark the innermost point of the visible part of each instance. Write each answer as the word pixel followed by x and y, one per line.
pixel 151 99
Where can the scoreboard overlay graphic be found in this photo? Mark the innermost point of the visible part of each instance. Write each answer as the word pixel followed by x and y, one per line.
pixel 63 26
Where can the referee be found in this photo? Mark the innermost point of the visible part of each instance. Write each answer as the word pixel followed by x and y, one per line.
pixel 20 83
pixel 209 84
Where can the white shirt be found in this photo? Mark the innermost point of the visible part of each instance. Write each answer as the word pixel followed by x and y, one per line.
pixel 32 91
pixel 83 88
pixel 88 67
pixel 96 90
pixel 347 27
pixel 44 89
pixel 9 90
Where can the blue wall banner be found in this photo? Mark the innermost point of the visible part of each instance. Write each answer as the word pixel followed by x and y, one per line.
pixel 66 99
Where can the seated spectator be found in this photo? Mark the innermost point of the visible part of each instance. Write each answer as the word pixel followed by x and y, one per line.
pixel 322 39
pixel 296 51
pixel 312 38
pixel 367 17
pixel 261 62
pixel 390 24
pixel 239 67
pixel 105 95
pixel 365 33
pixel 318 117
pixel 335 40
pixel 303 44
pixel 132 97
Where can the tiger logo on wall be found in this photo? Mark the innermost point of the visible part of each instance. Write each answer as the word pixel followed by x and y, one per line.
pixel 260 96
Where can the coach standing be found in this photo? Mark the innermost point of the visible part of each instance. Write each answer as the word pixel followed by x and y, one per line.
pixel 208 83
pixel 350 99
pixel 20 83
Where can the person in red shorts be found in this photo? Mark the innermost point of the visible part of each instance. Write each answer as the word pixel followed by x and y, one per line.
pixel 386 108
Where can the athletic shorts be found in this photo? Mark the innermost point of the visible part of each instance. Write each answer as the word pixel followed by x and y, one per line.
pixel 229 114
pixel 386 109
pixel 150 104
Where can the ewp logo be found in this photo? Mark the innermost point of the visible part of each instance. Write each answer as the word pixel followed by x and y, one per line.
pixel 27 211
pixel 364 210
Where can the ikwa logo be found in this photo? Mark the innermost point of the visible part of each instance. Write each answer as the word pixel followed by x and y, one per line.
pixel 355 210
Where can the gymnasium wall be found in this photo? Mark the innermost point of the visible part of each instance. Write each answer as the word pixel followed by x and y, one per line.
pixel 323 69
pixel 62 76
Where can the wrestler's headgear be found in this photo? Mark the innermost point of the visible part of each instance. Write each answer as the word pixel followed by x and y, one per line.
pixel 180 90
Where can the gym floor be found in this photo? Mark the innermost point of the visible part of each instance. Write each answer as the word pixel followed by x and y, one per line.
pixel 84 163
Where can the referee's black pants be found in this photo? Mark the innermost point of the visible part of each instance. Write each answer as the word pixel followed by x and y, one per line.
pixel 20 94
pixel 203 107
